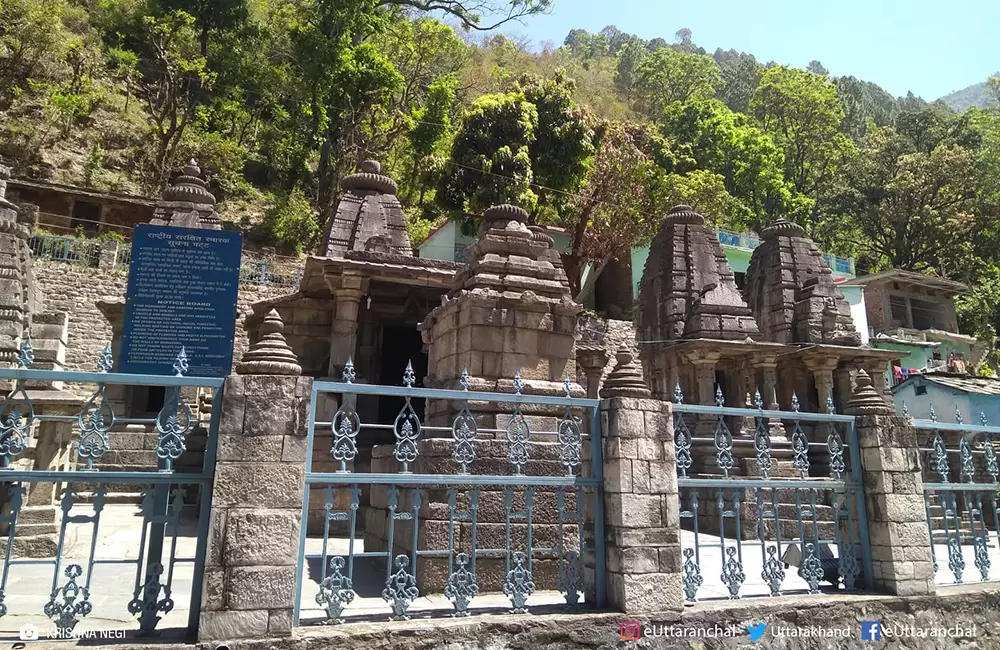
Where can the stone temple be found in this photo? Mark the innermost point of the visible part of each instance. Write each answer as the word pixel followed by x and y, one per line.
pixel 509 311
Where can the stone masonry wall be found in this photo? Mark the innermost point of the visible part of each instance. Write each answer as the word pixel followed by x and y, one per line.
pixel 76 290
pixel 976 605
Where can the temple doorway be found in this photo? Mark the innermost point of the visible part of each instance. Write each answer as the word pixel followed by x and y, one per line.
pixel 400 344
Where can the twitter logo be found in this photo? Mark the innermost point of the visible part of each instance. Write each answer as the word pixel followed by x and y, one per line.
pixel 757 631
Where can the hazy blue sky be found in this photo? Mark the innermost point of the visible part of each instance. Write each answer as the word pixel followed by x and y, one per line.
pixel 931 48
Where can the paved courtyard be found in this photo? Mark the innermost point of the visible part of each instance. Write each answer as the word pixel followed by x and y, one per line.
pixel 112 585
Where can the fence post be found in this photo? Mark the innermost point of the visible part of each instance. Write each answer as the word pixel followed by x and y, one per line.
pixel 640 495
pixel 894 494
pixel 253 554
pixel 108 255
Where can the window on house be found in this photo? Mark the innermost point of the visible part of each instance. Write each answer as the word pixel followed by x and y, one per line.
pixel 926 315
pixel 920 390
pixel 741 280
pixel 898 311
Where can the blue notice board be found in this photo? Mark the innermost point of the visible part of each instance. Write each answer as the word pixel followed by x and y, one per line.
pixel 182 290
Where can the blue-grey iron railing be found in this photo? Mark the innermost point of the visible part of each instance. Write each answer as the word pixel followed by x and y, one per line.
pixel 797 498
pixel 165 506
pixel 455 511
pixel 269 270
pixel 73 250
pixel 960 473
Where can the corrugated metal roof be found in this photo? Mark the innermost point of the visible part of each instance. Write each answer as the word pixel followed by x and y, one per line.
pixel 965 383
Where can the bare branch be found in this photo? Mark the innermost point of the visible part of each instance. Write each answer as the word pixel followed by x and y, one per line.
pixel 469 14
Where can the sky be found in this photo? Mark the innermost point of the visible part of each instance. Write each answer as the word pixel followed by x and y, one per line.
pixel 928 47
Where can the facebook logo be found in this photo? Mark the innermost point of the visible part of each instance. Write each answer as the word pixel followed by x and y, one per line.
pixel 871 631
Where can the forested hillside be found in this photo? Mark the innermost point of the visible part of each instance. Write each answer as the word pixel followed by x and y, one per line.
pixel 600 135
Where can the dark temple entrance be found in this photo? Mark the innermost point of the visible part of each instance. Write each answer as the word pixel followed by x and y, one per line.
pixel 399 346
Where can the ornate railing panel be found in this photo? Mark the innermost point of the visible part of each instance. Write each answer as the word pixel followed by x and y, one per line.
pixel 101 527
pixel 960 476
pixel 495 506
pixel 771 502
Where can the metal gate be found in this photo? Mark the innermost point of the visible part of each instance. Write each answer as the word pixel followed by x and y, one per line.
pixel 458 518
pixel 105 517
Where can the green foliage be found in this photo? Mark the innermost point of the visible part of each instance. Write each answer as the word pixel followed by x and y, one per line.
pixel 290 223
pixel 93 164
pixel 746 159
pixel 666 76
pixel 490 160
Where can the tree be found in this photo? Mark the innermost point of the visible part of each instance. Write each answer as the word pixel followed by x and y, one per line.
pixel 490 160
pixel 431 123
pixel 740 76
pixel 612 210
pixel 683 36
pixel 816 67
pixel 911 209
pixel 801 112
pixel 744 157
pixel 171 89
pixel 667 76
pixel 562 143
pixel 864 103
pixel 630 57
pixel 210 15
pixel 470 14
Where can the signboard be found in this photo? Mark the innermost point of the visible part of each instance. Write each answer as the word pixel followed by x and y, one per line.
pixel 182 290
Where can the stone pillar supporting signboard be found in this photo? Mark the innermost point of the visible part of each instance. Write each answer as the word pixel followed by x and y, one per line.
pixel 257 495
pixel 894 494
pixel 640 495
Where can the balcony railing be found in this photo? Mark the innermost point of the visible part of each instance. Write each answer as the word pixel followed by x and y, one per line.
pixel 746 241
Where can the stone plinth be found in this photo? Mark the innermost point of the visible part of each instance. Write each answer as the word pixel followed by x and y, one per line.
pixel 249 581
pixel 894 495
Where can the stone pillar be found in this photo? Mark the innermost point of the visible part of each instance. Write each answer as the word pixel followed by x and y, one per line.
pixel 705 375
pixel 592 361
pixel 822 370
pixel 641 505
pixel 894 494
pixel 257 496
pixel 877 371
pixel 109 255
pixel 348 289
pixel 842 387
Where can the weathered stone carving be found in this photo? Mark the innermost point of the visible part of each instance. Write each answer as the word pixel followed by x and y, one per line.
pixel 368 210
pixel 791 291
pixel 270 354
pixel 626 379
pixel 187 203
pixel 509 310
pixel 687 288
pixel 17 296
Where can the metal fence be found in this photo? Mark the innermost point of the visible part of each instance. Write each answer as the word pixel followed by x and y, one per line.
pixel 270 270
pixel 960 473
pixel 467 515
pixel 84 540
pixel 73 250
pixel 762 491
